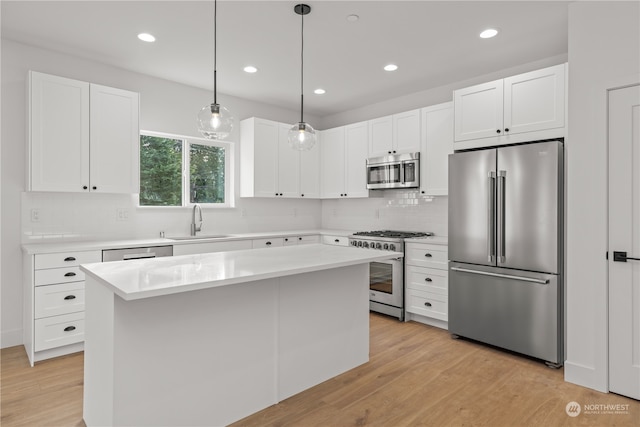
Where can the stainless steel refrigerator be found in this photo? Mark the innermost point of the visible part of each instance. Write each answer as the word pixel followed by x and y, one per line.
pixel 506 248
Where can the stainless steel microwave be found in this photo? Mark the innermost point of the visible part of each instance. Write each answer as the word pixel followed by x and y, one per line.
pixel 395 171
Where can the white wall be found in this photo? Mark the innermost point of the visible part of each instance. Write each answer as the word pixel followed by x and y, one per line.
pixel 604 52
pixel 165 107
pixel 433 96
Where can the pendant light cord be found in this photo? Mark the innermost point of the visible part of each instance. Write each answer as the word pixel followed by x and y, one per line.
pixel 215 51
pixel 302 69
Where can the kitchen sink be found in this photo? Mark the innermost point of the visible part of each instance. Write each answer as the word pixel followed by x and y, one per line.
pixel 200 237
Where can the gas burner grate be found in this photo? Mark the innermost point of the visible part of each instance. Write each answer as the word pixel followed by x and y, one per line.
pixel 392 234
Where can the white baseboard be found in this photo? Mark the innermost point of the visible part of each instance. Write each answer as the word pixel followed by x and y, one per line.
pixel 585 376
pixel 427 321
pixel 11 338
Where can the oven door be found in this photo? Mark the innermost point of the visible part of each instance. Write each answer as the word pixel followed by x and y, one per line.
pixel 386 282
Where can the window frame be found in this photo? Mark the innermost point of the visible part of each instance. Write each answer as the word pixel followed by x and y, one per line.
pixel 187 141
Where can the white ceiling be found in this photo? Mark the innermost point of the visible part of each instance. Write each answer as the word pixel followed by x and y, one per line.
pixel 433 43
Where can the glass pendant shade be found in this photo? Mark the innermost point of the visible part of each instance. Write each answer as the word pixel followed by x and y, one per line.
pixel 215 121
pixel 302 136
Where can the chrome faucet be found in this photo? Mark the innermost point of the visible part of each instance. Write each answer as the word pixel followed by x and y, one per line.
pixel 194 228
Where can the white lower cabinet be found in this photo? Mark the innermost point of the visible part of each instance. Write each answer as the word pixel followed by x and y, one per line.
pixel 335 240
pixel 426 283
pixel 267 243
pixel 300 240
pixel 54 303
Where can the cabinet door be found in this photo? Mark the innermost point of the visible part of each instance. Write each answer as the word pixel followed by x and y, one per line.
pixel 478 111
pixel 288 165
pixel 534 101
pixel 406 132
pixel 58 134
pixel 381 136
pixel 356 160
pixel 332 162
pixel 437 144
pixel 114 140
pixel 310 173
pixel 265 159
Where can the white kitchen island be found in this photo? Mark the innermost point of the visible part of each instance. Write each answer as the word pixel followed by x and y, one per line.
pixel 206 340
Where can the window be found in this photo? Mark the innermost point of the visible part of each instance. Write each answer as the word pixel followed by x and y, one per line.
pixel 179 171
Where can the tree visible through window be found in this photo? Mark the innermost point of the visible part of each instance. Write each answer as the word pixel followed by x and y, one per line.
pixel 177 171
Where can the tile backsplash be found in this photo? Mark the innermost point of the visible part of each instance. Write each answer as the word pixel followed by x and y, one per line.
pixel 80 216
pixel 391 210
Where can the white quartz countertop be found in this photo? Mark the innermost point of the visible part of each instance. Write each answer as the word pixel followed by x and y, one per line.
pixel 139 279
pixel 88 245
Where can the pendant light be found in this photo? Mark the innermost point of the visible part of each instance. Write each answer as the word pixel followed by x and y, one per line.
pixel 214 120
pixel 301 135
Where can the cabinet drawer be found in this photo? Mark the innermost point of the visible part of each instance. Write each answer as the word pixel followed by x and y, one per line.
pixel 306 240
pixel 424 255
pixel 58 275
pixel 335 240
pixel 289 241
pixel 57 331
pixel 267 243
pixel 427 304
pixel 54 300
pixel 427 279
pixel 66 259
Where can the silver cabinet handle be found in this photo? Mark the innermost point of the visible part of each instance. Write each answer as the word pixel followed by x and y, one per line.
pixel 491 217
pixel 502 182
pixel 504 276
pixel 138 256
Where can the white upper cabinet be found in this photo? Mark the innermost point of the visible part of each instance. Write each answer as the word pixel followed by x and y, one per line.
pixel 114 135
pixel 437 144
pixel 356 153
pixel 288 164
pixel 526 107
pixel 310 171
pixel 344 155
pixel 82 137
pixel 332 162
pixel 269 167
pixel 399 133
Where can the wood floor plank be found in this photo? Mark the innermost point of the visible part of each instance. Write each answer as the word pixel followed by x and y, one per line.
pixel 417 376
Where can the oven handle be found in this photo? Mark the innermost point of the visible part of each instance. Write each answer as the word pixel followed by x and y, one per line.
pixel 402 181
pixel 390 260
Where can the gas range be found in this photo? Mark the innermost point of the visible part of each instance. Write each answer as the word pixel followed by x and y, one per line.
pixel 386 240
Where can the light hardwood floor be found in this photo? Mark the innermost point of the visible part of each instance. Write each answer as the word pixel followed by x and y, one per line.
pixel 417 376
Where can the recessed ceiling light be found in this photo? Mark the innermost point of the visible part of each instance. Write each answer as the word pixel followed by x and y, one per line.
pixel 352 18
pixel 390 67
pixel 488 33
pixel 319 91
pixel 250 69
pixel 146 37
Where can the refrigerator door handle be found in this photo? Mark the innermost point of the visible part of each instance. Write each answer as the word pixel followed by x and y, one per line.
pixel 504 276
pixel 502 181
pixel 491 216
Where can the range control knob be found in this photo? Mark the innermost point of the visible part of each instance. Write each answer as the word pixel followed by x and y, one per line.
pixel 359 244
pixel 386 246
pixel 354 243
pixel 365 245
pixel 378 246
pixel 392 247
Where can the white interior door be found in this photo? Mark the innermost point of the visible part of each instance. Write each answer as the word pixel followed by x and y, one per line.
pixel 624 241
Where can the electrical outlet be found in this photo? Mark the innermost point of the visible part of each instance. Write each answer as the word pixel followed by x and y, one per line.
pixel 377 213
pixel 243 213
pixel 35 215
pixel 122 214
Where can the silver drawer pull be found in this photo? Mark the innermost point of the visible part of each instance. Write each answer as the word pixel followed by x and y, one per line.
pixel 139 256
pixel 70 328
pixel 504 276
pixel 70 297
pixel 70 274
